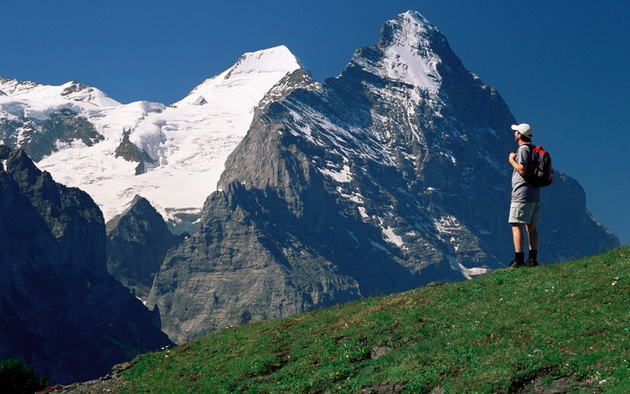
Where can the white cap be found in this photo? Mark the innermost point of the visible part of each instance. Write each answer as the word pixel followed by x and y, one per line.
pixel 524 129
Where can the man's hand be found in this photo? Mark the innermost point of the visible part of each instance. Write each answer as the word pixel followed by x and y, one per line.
pixel 511 156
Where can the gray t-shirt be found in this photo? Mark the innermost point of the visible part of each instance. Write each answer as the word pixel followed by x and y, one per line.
pixel 521 190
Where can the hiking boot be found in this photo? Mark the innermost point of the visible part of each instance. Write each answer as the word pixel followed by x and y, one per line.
pixel 531 263
pixel 516 264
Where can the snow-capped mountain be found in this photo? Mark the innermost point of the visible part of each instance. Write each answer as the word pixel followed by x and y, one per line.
pixel 403 59
pixel 39 98
pixel 180 148
pixel 385 178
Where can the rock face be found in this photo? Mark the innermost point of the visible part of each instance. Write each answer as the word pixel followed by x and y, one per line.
pixel 130 152
pixel 60 311
pixel 40 137
pixel 390 176
pixel 137 241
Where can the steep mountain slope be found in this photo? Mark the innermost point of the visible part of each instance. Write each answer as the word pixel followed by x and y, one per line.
pixel 388 177
pixel 172 156
pixel 137 241
pixel 60 311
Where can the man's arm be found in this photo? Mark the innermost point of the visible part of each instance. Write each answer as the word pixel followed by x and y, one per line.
pixel 518 167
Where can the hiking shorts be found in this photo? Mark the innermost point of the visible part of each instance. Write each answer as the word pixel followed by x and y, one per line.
pixel 524 212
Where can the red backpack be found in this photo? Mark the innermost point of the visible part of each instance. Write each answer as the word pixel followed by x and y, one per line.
pixel 539 172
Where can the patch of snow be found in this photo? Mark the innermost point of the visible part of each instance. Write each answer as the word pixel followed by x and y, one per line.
pixel 343 176
pixel 449 156
pixel 447 224
pixel 362 212
pixel 354 197
pixel 391 237
pixel 357 198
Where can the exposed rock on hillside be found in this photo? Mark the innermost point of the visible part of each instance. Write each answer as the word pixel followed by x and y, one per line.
pixel 60 311
pixel 137 241
pixel 41 137
pixel 130 152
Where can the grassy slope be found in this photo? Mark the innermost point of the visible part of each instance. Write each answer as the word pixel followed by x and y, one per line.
pixel 497 333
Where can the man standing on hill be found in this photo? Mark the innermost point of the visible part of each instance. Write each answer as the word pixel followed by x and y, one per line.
pixel 525 203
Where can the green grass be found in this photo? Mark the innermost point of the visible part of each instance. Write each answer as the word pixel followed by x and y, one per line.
pixel 497 333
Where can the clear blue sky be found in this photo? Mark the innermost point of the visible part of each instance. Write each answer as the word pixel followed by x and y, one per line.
pixel 562 66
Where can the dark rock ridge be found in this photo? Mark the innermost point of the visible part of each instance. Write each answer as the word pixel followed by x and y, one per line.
pixel 137 241
pixel 130 152
pixel 390 176
pixel 60 311
pixel 39 138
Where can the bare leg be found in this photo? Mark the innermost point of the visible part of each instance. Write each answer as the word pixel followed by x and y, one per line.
pixel 532 236
pixel 518 237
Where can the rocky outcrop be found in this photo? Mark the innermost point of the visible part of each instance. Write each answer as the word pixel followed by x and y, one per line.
pixel 130 152
pixel 137 241
pixel 390 176
pixel 60 311
pixel 40 137
pixel 242 266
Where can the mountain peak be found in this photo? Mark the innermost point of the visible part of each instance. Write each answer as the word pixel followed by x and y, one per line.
pixel 409 28
pixel 416 19
pixel 276 59
pixel 409 51
pixel 264 68
pixel 75 91
pixel 34 93
pixel 408 42
pixel 11 86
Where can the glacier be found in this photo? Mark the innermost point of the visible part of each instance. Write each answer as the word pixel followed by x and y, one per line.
pixel 188 141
